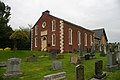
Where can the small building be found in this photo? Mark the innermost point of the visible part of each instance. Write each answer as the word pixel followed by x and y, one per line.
pixel 100 38
pixel 52 33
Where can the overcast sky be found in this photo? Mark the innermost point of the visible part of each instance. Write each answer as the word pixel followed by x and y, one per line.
pixel 91 14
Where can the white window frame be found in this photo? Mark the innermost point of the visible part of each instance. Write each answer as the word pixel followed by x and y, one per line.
pixel 79 37
pixel 36 29
pixel 85 39
pixel 44 24
pixel 53 37
pixel 70 36
pixel 53 25
pixel 91 40
pixel 35 41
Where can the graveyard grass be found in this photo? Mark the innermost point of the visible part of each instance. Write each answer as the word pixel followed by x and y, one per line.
pixel 37 70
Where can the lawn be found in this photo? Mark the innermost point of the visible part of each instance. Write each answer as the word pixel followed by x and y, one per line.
pixel 37 70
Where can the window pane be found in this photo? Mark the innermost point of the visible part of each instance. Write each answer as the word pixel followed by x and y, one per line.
pixel 70 36
pixel 53 25
pixel 36 28
pixel 53 40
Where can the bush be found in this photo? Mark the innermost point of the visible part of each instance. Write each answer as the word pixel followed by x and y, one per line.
pixel 1 49
pixel 7 49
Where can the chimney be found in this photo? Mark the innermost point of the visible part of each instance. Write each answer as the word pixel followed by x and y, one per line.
pixel 46 12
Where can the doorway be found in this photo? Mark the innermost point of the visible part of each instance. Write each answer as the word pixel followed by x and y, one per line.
pixel 43 43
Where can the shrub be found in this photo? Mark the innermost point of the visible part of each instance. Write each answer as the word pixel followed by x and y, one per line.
pixel 7 49
pixel 1 49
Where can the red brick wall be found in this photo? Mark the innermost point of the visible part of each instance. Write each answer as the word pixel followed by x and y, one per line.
pixel 67 48
pixel 70 48
pixel 48 19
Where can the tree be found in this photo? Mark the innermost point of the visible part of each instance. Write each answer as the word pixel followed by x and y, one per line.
pixel 19 36
pixel 26 45
pixel 5 29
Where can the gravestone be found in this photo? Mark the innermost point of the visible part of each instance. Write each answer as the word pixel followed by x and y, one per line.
pixel 99 74
pixel 3 64
pixel 119 59
pixel 81 57
pixel 56 76
pixel 79 72
pixel 119 55
pixel 87 57
pixel 60 56
pixel 105 50
pixel 56 66
pixel 92 51
pixel 119 47
pixel 111 48
pixel 102 53
pixel 111 61
pixel 52 56
pixel 80 50
pixel 13 67
pixel 74 59
pixel 32 59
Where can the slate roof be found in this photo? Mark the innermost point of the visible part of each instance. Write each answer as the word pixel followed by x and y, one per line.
pixel 98 33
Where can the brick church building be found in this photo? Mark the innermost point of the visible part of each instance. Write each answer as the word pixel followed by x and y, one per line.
pixel 52 33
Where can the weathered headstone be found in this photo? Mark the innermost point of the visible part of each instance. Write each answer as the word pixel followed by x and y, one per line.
pixel 60 56
pixel 56 76
pixel 3 64
pixel 87 57
pixel 81 57
pixel 80 50
pixel 118 54
pixel 92 51
pixel 52 56
pixel 111 48
pixel 105 49
pixel 79 72
pixel 111 61
pixel 13 68
pixel 32 59
pixel 118 59
pixel 119 47
pixel 56 66
pixel 74 59
pixel 99 74
pixel 102 53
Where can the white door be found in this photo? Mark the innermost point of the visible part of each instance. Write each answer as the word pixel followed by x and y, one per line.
pixel 43 43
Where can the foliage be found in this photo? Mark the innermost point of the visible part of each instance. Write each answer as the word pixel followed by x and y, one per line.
pixel 5 29
pixel 1 49
pixel 7 49
pixel 26 45
pixel 37 70
pixel 19 36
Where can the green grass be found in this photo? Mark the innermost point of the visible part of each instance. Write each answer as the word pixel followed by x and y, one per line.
pixel 37 70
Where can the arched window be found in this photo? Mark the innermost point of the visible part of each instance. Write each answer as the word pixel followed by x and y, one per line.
pixel 53 39
pixel 91 40
pixel 85 39
pixel 79 38
pixel 35 41
pixel 36 29
pixel 70 36
pixel 53 25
